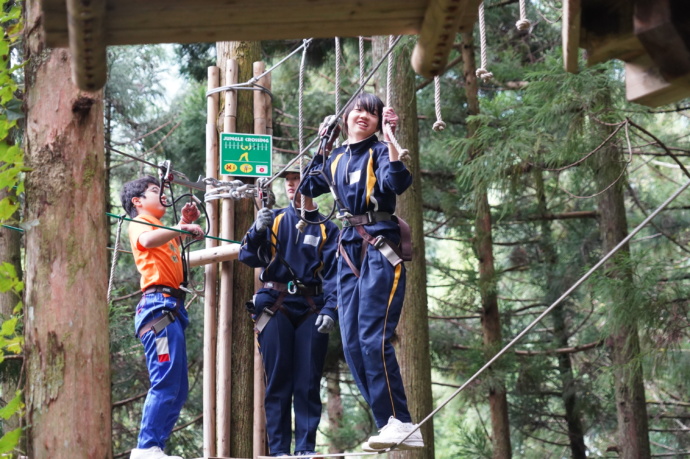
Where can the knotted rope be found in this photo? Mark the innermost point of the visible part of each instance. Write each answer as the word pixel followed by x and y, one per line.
pixel 361 60
pixel 337 81
pixel 482 72
pixel 439 125
pixel 523 23
pixel 301 225
pixel 404 153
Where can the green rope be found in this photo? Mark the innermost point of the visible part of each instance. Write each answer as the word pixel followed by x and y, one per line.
pixel 13 228
pixel 172 229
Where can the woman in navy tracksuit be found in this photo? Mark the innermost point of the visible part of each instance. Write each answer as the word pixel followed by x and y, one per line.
pixel 296 309
pixel 367 175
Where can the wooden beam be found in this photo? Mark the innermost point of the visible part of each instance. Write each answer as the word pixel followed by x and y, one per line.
pixel 572 18
pixel 85 19
pixel 214 255
pixel 645 85
pixel 181 21
pixel 661 27
pixel 442 20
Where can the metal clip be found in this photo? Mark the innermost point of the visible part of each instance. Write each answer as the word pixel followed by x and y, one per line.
pixel 292 288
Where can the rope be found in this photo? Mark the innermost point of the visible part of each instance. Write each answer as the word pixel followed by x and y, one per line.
pixel 439 125
pixel 600 263
pixel 337 81
pixel 523 23
pixel 482 72
pixel 361 61
pixel 404 154
pixel 115 254
pixel 252 81
pixel 389 74
pixel 301 225
pixel 171 229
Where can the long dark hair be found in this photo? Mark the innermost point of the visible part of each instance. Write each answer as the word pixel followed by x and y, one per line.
pixel 368 102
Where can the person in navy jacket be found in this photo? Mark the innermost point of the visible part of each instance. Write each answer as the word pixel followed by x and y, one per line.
pixel 294 311
pixel 367 175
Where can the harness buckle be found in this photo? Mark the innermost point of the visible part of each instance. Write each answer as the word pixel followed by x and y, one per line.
pixel 379 242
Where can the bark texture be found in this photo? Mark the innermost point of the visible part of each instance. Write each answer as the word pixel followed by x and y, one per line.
pixel 66 315
pixel 242 400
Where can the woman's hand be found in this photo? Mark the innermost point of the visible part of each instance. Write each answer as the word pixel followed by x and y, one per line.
pixel 390 117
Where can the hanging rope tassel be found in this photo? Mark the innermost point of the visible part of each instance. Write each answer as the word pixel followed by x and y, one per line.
pixel 404 153
pixel 301 225
pixel 523 23
pixel 439 125
pixel 116 252
pixel 482 72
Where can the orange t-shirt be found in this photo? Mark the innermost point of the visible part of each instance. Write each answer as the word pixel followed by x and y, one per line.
pixel 159 265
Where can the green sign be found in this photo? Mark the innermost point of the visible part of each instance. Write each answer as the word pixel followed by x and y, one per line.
pixel 246 155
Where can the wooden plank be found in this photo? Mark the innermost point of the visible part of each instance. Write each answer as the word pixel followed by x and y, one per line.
pixel 572 18
pixel 442 20
pixel 133 21
pixel 645 85
pixel 278 31
pixel 85 20
pixel 666 39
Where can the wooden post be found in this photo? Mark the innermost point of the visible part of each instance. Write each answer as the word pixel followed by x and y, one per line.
pixel 211 273
pixel 226 273
pixel 262 111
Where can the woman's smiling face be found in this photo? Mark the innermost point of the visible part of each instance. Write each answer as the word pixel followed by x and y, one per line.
pixel 361 124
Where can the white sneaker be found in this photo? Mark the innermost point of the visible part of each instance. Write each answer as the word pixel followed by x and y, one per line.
pixel 393 433
pixel 153 452
pixel 369 449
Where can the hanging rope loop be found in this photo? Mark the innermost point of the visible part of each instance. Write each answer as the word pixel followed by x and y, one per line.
pixel 404 153
pixel 439 125
pixel 482 72
pixel 523 23
pixel 116 252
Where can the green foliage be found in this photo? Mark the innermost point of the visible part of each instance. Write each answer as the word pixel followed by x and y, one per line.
pixel 12 185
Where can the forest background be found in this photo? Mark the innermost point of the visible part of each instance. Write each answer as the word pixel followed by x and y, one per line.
pixel 537 175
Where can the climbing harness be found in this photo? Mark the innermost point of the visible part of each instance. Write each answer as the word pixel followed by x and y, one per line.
pixel 482 72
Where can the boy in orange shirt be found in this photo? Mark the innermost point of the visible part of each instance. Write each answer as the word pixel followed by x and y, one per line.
pixel 160 317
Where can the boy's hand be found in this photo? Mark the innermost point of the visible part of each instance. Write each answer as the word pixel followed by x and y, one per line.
pixel 190 213
pixel 324 324
pixel 196 230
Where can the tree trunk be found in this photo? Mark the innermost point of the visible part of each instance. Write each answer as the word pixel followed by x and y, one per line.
pixel 413 350
pixel 554 288
pixel 66 315
pixel 242 374
pixel 623 342
pixel 491 320
pixel 334 406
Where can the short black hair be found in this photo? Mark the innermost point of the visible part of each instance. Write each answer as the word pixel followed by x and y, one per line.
pixel 134 189
pixel 368 102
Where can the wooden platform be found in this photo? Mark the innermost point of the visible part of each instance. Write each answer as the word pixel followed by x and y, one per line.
pixel 651 36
